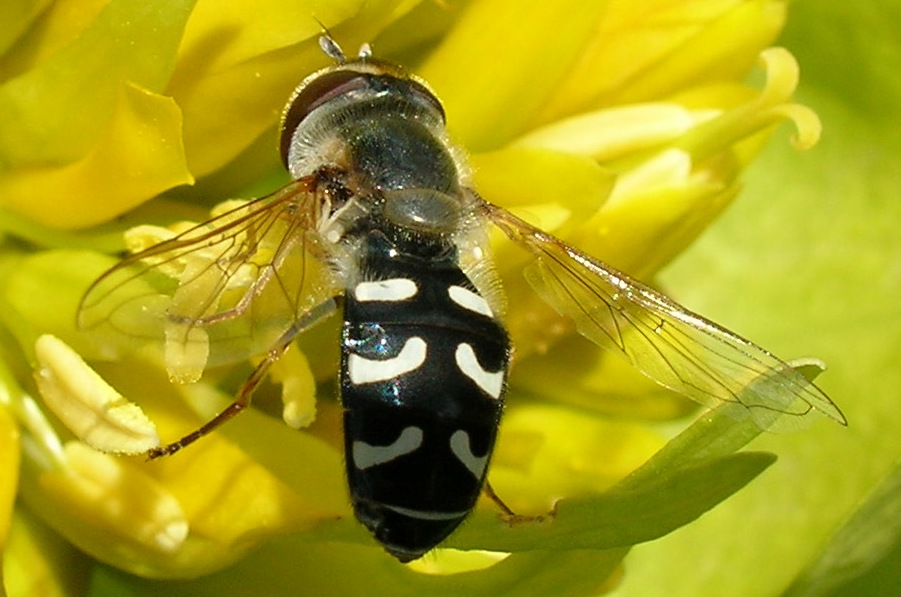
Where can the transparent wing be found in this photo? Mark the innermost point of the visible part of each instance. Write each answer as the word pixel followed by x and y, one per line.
pixel 677 348
pixel 231 287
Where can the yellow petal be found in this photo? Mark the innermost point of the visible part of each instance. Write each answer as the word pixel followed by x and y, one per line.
pixel 597 382
pixel 15 18
pixel 488 105
pixel 641 233
pixel 9 471
pixel 545 453
pixel 616 132
pixel 56 112
pixel 745 123
pixel 255 28
pixel 293 371
pixel 138 156
pixel 526 176
pixel 40 562
pixel 120 504
pixel 230 107
pixel 647 50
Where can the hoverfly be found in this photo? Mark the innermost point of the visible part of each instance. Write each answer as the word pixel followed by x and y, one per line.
pixel 380 218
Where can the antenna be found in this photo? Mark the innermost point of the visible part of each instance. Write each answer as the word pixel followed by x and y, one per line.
pixel 328 44
pixel 331 48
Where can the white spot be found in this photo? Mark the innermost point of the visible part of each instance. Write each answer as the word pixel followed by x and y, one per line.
pixel 491 382
pixel 460 446
pixel 469 300
pixel 395 289
pixel 363 371
pixel 366 455
pixel 426 514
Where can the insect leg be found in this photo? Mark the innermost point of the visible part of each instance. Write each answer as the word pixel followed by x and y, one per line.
pixel 242 400
pixel 507 513
pixel 489 492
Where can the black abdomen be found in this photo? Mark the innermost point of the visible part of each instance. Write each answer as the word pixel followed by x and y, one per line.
pixel 424 365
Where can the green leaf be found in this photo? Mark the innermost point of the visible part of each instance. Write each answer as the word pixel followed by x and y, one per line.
pixel 860 544
pixel 620 517
pixel 291 566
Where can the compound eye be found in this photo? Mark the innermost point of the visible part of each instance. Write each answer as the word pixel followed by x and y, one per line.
pixel 312 95
pixel 425 95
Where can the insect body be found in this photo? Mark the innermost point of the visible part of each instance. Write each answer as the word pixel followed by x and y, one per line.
pixel 380 217
pixel 422 380
pixel 423 360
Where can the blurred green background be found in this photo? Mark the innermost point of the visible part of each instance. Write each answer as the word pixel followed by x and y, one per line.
pixel 808 262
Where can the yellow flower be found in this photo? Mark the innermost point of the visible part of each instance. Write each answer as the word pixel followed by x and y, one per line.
pixel 621 127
